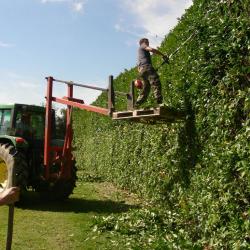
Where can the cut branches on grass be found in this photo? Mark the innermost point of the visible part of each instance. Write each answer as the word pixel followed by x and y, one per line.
pixel 40 225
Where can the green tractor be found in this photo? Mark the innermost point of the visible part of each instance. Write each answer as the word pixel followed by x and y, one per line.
pixel 22 147
pixel 29 145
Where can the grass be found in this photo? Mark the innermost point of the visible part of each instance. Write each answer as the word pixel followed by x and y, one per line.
pixel 66 225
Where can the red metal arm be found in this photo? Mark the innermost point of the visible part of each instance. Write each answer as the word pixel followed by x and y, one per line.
pixel 47 139
pixel 91 108
pixel 70 101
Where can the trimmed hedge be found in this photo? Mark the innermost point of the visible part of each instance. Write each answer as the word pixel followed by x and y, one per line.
pixel 198 168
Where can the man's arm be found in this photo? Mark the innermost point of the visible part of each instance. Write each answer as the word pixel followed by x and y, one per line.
pixel 9 196
pixel 157 52
pixel 154 51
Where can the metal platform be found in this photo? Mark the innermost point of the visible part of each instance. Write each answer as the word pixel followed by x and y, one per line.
pixel 150 115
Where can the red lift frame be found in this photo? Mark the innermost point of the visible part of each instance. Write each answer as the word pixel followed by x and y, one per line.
pixel 51 153
pixel 63 155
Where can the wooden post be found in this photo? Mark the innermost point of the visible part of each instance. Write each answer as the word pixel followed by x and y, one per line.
pixel 131 96
pixel 111 96
pixel 48 118
pixel 12 183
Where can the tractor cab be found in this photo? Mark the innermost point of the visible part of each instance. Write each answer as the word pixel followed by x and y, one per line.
pixel 29 124
pixel 25 121
pixel 6 112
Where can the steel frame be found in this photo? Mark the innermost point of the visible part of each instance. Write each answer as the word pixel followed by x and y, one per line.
pixel 53 154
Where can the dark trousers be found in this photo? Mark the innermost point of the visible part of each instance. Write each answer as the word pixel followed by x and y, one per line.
pixel 150 79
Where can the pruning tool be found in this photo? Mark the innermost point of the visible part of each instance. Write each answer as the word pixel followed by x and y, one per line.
pixel 166 59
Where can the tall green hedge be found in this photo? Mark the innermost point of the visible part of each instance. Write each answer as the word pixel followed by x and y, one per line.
pixel 200 167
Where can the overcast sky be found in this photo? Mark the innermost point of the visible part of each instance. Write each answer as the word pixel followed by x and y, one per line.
pixel 80 40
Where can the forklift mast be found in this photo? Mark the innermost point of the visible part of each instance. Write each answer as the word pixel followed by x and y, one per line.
pixel 52 153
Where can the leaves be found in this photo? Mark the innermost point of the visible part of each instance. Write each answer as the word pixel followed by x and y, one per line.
pixel 198 170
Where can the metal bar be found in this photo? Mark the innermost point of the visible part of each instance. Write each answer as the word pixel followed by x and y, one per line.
pixel 73 99
pixel 48 119
pixel 65 168
pixel 121 93
pixel 81 85
pixel 69 113
pixel 68 120
pixel 82 106
pixel 111 96
pixel 131 96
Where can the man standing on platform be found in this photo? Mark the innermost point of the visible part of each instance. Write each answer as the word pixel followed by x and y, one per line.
pixel 148 73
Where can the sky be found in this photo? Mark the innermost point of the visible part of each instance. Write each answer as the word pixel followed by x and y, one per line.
pixel 80 40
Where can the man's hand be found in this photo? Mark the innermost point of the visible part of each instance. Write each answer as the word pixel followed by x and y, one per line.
pixel 9 196
pixel 165 58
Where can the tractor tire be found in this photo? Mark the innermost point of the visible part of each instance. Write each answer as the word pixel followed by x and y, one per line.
pixel 12 162
pixel 58 190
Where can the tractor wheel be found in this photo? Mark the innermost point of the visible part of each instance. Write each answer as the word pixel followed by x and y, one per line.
pixel 58 190
pixel 12 162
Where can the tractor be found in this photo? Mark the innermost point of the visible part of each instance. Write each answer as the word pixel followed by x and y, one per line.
pixel 22 135
pixel 31 154
pixel 30 147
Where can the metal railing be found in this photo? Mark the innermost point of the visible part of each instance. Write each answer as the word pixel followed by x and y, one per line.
pixel 70 100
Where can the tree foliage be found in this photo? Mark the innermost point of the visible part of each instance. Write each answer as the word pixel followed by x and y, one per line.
pixel 198 169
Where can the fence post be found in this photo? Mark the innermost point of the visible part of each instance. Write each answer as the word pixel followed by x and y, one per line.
pixel 48 118
pixel 111 96
pixel 131 96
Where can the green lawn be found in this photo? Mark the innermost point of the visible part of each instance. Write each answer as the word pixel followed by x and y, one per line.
pixel 66 225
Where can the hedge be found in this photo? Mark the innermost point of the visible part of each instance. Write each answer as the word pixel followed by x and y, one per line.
pixel 199 167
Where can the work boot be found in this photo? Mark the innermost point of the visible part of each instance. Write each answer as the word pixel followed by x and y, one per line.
pixel 139 102
pixel 137 105
pixel 162 105
pixel 159 101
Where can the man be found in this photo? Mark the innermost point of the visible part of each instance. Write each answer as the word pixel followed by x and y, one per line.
pixel 148 73
pixel 23 126
pixel 9 196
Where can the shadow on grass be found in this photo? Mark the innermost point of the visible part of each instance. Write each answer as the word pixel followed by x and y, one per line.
pixel 32 201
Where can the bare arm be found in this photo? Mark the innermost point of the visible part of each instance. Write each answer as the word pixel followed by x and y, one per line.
pixel 154 51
